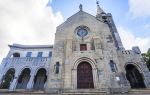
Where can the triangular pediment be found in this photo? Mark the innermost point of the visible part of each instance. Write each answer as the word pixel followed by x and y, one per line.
pixel 78 17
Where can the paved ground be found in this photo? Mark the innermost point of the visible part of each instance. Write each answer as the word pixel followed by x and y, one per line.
pixel 62 94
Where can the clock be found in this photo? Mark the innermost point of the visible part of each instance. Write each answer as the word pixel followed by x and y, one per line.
pixel 82 32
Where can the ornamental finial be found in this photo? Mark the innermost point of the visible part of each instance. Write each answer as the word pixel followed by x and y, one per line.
pixel 97 2
pixel 80 7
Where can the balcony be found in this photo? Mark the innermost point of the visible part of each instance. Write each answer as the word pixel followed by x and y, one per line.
pixel 24 61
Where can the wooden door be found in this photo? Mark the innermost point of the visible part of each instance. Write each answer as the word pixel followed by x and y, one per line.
pixel 84 76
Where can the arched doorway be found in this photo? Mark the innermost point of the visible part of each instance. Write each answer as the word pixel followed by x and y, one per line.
pixel 84 76
pixel 134 77
pixel 40 79
pixel 23 79
pixel 7 79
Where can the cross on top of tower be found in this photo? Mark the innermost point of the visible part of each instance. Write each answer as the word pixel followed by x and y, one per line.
pixel 97 2
pixel 80 7
pixel 99 9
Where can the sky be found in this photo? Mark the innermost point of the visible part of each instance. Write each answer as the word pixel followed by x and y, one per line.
pixel 34 22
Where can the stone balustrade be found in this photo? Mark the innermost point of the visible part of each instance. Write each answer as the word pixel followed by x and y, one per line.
pixel 22 61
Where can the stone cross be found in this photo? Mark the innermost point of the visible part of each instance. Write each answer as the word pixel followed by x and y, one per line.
pixel 80 7
pixel 97 2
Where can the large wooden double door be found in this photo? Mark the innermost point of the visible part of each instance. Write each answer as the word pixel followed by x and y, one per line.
pixel 84 76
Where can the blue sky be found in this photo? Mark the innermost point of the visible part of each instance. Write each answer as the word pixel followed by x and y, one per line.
pixel 130 16
pixel 118 8
pixel 32 22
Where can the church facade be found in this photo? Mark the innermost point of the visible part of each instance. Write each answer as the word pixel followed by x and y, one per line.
pixel 87 54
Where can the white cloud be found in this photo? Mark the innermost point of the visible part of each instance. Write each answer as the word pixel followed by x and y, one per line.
pixel 26 22
pixel 147 26
pixel 130 40
pixel 139 8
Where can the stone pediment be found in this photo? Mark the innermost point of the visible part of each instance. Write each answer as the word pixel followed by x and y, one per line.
pixel 80 17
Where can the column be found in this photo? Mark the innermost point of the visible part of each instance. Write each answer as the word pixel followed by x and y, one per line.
pixel 95 78
pixel 13 84
pixel 146 79
pixel 46 83
pixel 31 82
pixel 1 78
pixel 2 75
pixel 73 80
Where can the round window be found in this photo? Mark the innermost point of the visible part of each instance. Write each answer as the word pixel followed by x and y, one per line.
pixel 82 32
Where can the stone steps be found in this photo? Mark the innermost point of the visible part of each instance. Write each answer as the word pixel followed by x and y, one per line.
pixel 21 92
pixel 139 91
pixel 75 92
pixel 66 92
pixel 84 92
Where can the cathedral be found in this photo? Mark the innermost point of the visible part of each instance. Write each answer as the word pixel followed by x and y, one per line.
pixel 87 56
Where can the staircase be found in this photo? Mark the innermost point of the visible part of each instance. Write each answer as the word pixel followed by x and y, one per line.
pixel 139 91
pixel 21 92
pixel 85 92
pixel 75 92
pixel 66 92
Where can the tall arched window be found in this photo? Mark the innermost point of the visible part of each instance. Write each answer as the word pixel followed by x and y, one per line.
pixel 23 79
pixel 40 79
pixel 57 67
pixel 113 66
pixel 7 79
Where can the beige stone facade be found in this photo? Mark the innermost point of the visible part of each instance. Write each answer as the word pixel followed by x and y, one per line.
pixel 103 45
pixel 87 55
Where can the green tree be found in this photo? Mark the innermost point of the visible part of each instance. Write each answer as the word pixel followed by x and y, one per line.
pixel 148 58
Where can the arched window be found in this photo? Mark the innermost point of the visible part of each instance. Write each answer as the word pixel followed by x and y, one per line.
pixel 113 66
pixel 40 79
pixel 7 79
pixel 57 67
pixel 16 54
pixel 23 79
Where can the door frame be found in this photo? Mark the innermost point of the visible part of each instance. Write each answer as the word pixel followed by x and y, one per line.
pixel 74 72
pixel 90 75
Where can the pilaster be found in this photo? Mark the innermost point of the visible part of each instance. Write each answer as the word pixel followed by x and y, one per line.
pixel 13 84
pixel 95 78
pixel 31 80
pixel 1 78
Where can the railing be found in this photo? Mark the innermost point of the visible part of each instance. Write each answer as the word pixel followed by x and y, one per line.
pixel 35 61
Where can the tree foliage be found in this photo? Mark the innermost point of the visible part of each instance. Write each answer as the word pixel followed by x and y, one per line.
pixel 148 58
